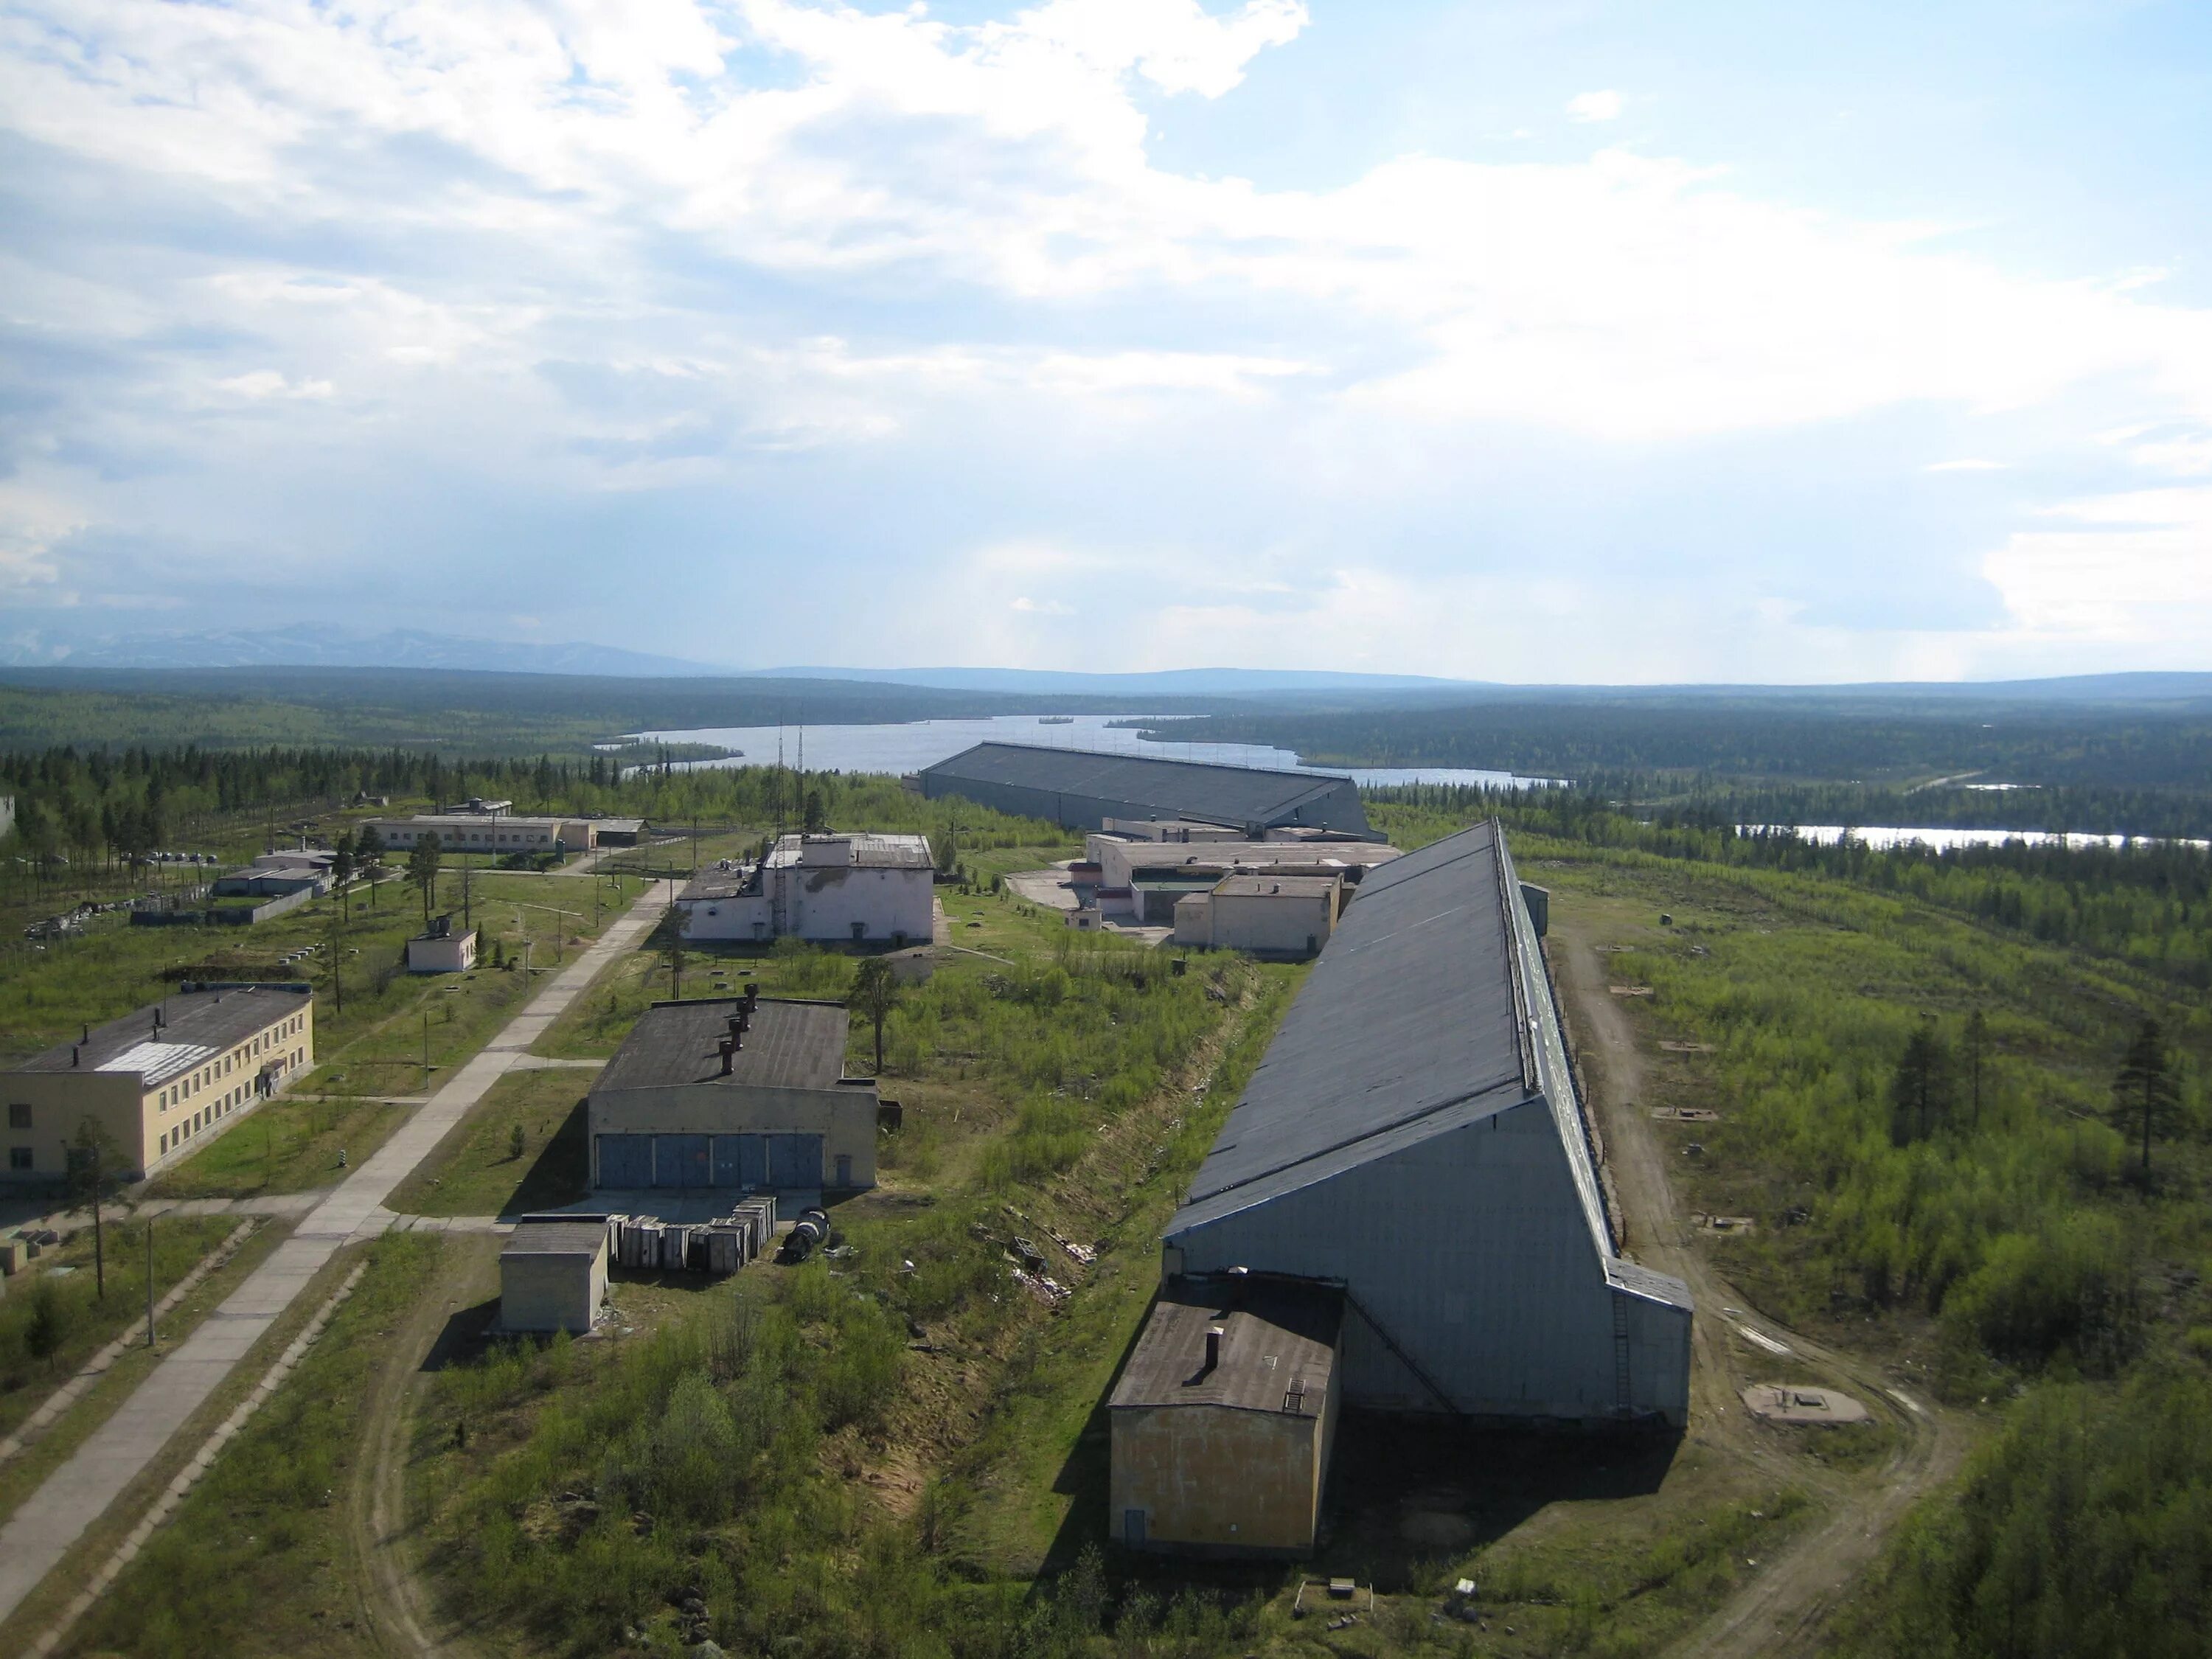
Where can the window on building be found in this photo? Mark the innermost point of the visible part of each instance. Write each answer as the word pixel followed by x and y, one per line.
pixel 19 1116
pixel 19 1158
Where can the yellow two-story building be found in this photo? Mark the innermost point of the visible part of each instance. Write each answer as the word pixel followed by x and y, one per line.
pixel 161 1081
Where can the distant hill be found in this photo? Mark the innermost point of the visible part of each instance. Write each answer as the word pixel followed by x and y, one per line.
pixel 313 645
pixel 1168 681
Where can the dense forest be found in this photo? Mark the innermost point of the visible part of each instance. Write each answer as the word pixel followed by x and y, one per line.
pixel 2149 905
pixel 2158 746
pixel 453 710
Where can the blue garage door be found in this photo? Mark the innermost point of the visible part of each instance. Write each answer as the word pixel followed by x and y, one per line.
pixel 741 1160
pixel 794 1160
pixel 625 1161
pixel 682 1161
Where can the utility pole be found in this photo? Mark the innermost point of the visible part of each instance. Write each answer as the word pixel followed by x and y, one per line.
pixel 426 1051
pixel 149 1281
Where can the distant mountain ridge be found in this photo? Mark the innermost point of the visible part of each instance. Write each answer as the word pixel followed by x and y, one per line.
pixel 316 645
pixel 313 645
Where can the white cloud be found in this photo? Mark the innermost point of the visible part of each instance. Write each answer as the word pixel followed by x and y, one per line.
pixel 269 383
pixel 2126 568
pixel 586 251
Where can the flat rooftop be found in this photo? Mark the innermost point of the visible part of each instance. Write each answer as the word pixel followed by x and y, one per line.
pixel 196 1026
pixel 790 1045
pixel 1279 1345
pixel 584 1238
pixel 1276 886
pixel 477 821
pixel 1263 855
pixel 861 850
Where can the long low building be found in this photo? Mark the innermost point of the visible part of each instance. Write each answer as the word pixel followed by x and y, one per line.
pixel 498 834
pixel 730 1094
pixel 161 1081
pixel 1083 788
pixel 852 888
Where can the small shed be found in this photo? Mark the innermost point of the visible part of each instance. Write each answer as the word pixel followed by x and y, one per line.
pixel 1224 1418
pixel 553 1275
pixel 443 949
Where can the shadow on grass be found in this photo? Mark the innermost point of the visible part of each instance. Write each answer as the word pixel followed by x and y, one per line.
pixel 464 1337
pixel 559 1176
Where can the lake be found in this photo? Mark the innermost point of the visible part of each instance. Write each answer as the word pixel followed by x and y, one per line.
pixel 910 745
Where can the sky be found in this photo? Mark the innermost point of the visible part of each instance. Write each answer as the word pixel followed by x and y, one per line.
pixel 1538 340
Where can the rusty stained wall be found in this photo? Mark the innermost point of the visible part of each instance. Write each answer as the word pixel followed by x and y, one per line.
pixel 1217 1478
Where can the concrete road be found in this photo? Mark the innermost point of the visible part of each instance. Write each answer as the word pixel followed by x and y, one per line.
pixel 75 1495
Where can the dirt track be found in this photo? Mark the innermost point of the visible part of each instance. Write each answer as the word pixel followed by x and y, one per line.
pixel 394 1605
pixel 1781 1610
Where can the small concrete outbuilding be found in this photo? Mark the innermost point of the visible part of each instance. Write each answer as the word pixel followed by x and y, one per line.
pixel 553 1274
pixel 443 949
pixel 1224 1418
pixel 1271 915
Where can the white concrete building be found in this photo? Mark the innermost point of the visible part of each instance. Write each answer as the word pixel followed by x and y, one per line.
pixel 441 950
pixel 826 888
pixel 1269 915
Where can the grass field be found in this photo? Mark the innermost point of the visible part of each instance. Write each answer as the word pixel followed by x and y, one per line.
pixel 260 1560
pixel 475 1171
pixel 283 1145
pixel 22 1475
pixel 89 1322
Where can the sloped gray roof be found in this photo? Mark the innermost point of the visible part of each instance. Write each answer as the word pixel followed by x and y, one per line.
pixel 1169 788
pixel 1411 1023
pixel 1279 1345
pixel 197 1025
pixel 790 1045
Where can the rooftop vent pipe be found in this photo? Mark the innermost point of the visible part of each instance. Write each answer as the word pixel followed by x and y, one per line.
pixel 1213 1346
pixel 727 1049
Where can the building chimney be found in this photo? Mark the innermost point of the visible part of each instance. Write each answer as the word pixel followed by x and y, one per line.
pixel 752 996
pixel 74 1053
pixel 728 1049
pixel 87 1037
pixel 1213 1346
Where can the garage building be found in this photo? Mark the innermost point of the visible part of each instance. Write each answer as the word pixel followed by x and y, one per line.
pixel 728 1094
pixel 1082 788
